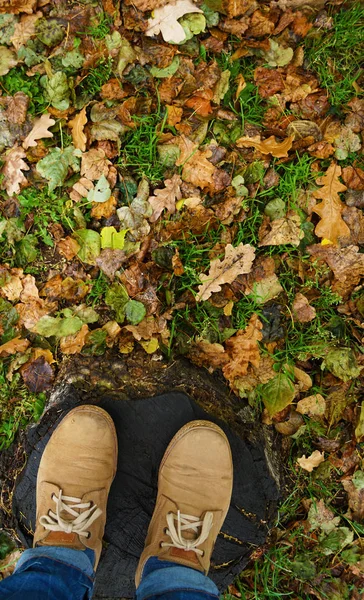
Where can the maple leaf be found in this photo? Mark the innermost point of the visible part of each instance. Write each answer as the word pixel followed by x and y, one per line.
pixel 286 230
pixel 237 261
pixel 77 125
pixel 12 171
pixel 166 199
pixel 243 350
pixel 331 226
pixel 165 21
pixel 268 146
pixel 39 131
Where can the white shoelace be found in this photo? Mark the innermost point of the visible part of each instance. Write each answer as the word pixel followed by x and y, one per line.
pixel 82 521
pixel 185 522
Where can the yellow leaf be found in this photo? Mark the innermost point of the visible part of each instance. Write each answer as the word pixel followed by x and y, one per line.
pixel 150 346
pixel 268 146
pixel 312 461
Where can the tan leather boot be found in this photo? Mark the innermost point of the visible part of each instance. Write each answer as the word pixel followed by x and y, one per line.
pixel 194 491
pixel 74 479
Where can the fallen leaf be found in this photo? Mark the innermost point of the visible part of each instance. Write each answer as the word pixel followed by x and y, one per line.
pixel 278 393
pixel 17 344
pixel 8 60
pixel 39 131
pixel 237 261
pixel 18 6
pixel 321 517
pixel 277 55
pixel 302 311
pixel 90 245
pixel 110 261
pixel 196 168
pixel 209 355
pixel 286 230
pixel 38 375
pixel 24 29
pixel 165 21
pixel 94 164
pixel 353 177
pixel 54 167
pixel 73 344
pixel 174 114
pixel 354 487
pixel 14 164
pixel 68 247
pixel 359 429
pixel 77 125
pixel 16 111
pixel 342 363
pixel 331 226
pixel 312 461
pixel 347 265
pixel 104 209
pixel 12 288
pixel 166 199
pixel 314 405
pixel 243 350
pixel 268 146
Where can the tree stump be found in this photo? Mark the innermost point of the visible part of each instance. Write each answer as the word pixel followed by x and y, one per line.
pixel 149 401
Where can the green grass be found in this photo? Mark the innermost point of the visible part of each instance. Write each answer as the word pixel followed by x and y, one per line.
pixel 99 288
pixel 18 406
pixel 139 152
pixel 100 27
pixel 47 207
pixel 91 85
pixel 337 55
pixel 17 81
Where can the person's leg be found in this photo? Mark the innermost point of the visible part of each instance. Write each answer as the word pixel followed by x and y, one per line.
pixel 73 483
pixel 194 493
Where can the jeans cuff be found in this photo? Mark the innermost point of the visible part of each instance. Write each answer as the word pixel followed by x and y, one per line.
pixel 175 578
pixel 79 559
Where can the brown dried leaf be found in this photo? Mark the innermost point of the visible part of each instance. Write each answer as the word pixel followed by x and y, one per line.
pixel 13 346
pixel 16 111
pixel 237 261
pixel 110 261
pixel 166 199
pixel 302 311
pixel 353 177
pixel 12 171
pixel 68 247
pixel 347 265
pixel 17 6
pixel 355 499
pixel 104 209
pixel 174 114
pixel 211 356
pixel 73 344
pixel 312 461
pixel 77 125
pixel 24 29
pixel 331 226
pixel 94 164
pixel 268 146
pixel 286 230
pixel 13 287
pixel 243 350
pixel 38 375
pixel 314 405
pixel 39 131
pixel 196 169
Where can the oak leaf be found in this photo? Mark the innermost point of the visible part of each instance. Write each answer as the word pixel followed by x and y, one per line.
pixel 243 350
pixel 77 125
pixel 166 199
pixel 331 226
pixel 312 461
pixel 237 261
pixel 24 29
pixel 268 146
pixel 12 170
pixel 39 131
pixel 286 230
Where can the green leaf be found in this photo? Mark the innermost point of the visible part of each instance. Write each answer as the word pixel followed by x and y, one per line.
pixel 6 545
pixel 74 59
pixel 342 363
pixel 303 568
pixel 238 185
pixel 50 32
pixel 222 86
pixel 57 326
pixel 26 250
pixel 95 344
pixel 275 209
pixel 54 167
pixel 337 539
pixel 90 243
pixel 126 56
pixel 117 298
pixel 358 480
pixel 277 393
pixel 277 56
pixel 110 238
pixel 101 192
pixel 86 313
pixel 135 312
pixel 192 24
pixel 58 91
pixel 167 71
pixel 8 315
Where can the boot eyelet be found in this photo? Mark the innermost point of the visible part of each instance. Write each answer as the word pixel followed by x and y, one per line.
pixel 203 553
pixel 88 535
pixel 165 530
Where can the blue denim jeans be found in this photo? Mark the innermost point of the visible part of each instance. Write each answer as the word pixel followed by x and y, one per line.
pixel 54 573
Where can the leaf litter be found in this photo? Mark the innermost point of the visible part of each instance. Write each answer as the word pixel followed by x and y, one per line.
pixel 187 178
